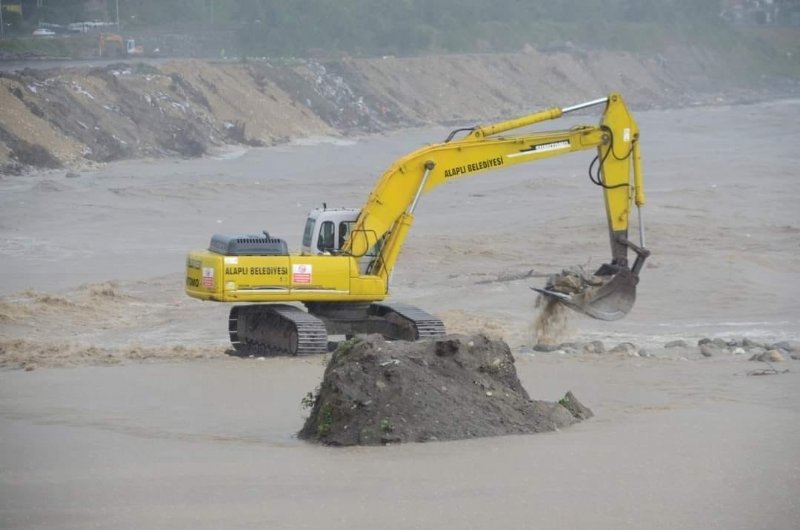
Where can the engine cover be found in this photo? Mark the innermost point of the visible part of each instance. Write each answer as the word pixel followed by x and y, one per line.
pixel 248 245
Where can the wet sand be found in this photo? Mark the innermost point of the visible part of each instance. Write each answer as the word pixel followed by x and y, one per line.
pixel 175 434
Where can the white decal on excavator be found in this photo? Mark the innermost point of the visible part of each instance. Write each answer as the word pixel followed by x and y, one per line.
pixel 208 277
pixel 551 146
pixel 301 273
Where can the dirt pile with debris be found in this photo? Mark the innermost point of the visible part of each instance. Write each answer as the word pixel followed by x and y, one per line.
pixel 78 116
pixel 455 387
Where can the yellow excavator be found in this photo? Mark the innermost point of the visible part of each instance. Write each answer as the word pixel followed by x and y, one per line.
pixel 113 45
pixel 341 275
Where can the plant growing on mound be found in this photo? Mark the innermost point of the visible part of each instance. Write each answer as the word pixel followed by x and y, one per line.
pixel 348 345
pixel 386 425
pixel 309 400
pixel 325 421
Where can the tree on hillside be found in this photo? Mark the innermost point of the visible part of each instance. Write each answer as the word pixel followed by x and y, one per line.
pixel 53 11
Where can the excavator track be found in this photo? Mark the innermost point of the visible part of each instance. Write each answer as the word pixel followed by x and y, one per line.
pixel 422 324
pixel 275 329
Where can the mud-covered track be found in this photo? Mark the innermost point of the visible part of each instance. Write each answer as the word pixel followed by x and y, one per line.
pixel 275 330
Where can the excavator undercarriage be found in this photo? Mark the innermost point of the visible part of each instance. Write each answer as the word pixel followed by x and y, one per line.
pixel 282 329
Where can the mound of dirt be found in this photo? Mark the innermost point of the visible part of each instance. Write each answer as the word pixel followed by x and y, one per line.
pixel 455 387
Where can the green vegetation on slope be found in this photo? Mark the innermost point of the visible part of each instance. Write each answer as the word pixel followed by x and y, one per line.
pixel 413 27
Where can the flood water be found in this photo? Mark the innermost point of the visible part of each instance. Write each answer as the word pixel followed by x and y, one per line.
pixel 675 443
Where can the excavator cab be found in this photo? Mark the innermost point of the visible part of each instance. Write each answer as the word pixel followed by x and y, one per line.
pixel 327 228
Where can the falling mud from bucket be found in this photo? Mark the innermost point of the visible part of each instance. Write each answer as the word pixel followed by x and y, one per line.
pixel 551 321
pixel 552 316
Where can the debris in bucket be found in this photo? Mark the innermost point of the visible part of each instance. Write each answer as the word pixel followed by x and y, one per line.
pixel 574 280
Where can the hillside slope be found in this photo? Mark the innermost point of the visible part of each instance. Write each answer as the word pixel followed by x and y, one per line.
pixel 73 117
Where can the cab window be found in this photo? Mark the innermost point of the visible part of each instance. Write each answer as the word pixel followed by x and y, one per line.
pixel 325 240
pixel 308 232
pixel 344 231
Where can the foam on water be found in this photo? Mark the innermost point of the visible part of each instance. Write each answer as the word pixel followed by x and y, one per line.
pixel 312 141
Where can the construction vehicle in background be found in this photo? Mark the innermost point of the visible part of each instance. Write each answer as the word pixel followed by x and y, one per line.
pixel 132 49
pixel 113 45
pixel 341 275
pixel 110 45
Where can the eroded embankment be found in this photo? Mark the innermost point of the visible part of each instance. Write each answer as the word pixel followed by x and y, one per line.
pixel 72 117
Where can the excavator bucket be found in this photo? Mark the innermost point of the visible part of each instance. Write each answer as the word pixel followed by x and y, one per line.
pixel 608 294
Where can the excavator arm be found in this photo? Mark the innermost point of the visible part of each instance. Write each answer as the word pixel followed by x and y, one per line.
pixel 388 214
